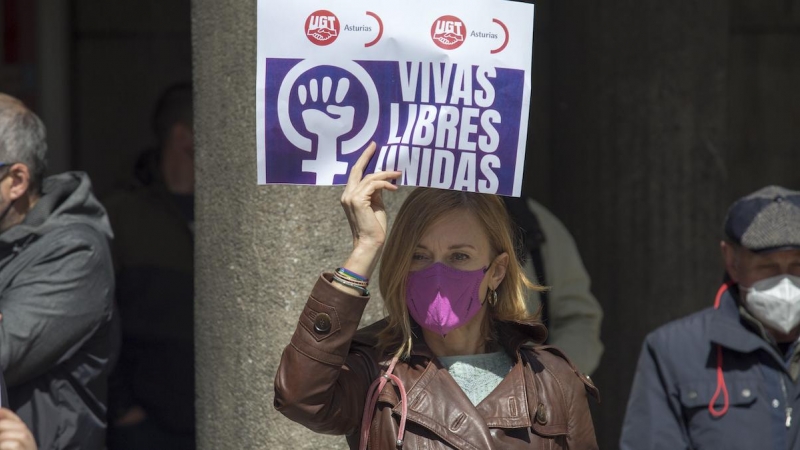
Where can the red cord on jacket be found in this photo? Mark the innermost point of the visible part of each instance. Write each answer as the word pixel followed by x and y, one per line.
pixel 721 387
pixel 720 292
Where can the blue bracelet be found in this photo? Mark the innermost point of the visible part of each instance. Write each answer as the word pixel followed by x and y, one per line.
pixel 350 274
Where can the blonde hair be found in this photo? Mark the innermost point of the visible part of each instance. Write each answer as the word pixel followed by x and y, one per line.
pixel 423 207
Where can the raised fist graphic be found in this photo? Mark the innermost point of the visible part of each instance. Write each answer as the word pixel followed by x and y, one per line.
pixel 328 123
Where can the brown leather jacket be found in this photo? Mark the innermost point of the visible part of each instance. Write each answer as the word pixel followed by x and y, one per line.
pixel 326 370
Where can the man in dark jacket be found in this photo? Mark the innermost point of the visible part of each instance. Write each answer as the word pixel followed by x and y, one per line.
pixel 57 340
pixel 727 377
pixel 152 391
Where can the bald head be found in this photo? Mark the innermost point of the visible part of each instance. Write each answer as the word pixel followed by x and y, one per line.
pixel 22 138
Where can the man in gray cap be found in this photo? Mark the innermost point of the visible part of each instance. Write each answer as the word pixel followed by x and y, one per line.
pixel 727 377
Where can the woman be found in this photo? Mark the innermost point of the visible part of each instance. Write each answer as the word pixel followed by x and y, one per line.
pixel 456 363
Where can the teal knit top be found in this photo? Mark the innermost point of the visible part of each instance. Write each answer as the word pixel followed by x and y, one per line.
pixel 478 375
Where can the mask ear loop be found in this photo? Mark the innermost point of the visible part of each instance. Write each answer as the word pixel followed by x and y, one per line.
pixel 721 387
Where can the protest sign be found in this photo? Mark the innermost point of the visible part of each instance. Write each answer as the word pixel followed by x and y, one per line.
pixel 442 87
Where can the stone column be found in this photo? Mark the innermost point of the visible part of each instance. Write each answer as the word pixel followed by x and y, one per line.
pixel 638 165
pixel 258 249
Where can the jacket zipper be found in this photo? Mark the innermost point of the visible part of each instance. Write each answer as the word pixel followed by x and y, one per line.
pixel 786 402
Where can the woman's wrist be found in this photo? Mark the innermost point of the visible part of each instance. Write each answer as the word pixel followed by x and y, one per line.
pixel 363 260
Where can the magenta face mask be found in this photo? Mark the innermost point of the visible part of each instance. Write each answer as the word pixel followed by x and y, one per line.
pixel 441 298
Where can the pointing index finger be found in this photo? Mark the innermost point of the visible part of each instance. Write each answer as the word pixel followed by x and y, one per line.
pixel 357 171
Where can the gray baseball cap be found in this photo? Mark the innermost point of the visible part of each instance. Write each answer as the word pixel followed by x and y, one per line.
pixel 766 220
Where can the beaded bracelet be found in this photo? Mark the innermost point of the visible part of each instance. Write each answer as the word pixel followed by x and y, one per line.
pixel 351 284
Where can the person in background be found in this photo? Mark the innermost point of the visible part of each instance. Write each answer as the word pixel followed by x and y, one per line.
pixel 549 255
pixel 727 376
pixel 58 333
pixel 152 392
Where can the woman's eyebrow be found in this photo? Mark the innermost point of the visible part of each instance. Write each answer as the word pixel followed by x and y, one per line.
pixel 458 246
pixel 452 247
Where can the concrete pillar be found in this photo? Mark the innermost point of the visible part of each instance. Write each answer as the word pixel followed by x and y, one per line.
pixel 638 165
pixel 258 249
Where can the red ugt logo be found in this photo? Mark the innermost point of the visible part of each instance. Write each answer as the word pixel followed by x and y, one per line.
pixel 322 27
pixel 448 32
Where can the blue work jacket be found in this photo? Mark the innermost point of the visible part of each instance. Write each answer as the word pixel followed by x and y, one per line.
pixel 676 379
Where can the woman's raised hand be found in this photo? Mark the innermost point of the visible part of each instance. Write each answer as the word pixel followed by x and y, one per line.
pixel 363 205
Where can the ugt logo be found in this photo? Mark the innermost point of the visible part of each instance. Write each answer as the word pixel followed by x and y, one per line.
pixel 448 32
pixel 322 27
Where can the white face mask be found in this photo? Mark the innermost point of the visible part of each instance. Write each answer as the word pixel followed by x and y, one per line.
pixel 775 302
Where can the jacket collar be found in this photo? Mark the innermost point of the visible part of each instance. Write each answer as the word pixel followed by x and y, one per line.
pixel 451 419
pixel 507 406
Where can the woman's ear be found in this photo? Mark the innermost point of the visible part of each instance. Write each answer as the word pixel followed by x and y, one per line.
pixel 499 267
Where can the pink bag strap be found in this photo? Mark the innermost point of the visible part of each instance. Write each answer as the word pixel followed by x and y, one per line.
pixel 372 400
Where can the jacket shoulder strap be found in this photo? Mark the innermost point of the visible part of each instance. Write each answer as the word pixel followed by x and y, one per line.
pixel 557 352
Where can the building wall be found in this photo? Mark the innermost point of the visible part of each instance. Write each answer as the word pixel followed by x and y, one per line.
pixel 662 114
pixel 124 54
pixel 764 97
pixel 639 116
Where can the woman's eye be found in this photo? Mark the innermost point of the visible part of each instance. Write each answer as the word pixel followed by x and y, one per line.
pixel 417 257
pixel 460 257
